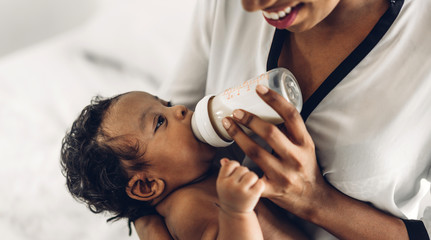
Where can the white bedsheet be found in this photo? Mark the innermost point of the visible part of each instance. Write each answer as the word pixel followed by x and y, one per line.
pixel 42 89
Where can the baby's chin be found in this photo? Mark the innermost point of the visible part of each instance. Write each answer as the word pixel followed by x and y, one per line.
pixel 205 148
pixel 212 169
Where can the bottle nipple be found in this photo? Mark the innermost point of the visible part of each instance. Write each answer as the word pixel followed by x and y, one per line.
pixel 201 125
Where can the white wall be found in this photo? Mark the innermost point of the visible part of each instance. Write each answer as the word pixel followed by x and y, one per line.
pixel 25 22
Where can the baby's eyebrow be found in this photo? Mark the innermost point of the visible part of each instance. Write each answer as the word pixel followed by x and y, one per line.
pixel 142 120
pixel 164 102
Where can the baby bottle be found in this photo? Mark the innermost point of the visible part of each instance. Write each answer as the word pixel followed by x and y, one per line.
pixel 207 119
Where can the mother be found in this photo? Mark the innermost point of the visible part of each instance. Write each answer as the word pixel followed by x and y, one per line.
pixel 364 68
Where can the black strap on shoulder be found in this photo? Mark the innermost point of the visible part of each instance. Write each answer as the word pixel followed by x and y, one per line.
pixel 365 47
pixel 416 230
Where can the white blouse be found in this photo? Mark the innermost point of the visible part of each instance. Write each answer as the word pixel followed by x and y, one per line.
pixel 371 125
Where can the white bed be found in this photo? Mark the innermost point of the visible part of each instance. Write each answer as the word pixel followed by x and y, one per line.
pixel 127 45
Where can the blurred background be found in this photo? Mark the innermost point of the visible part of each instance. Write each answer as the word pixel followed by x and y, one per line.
pixel 26 22
pixel 55 55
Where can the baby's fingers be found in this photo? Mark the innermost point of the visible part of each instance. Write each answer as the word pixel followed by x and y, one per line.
pixel 249 179
pixel 259 187
pixel 227 167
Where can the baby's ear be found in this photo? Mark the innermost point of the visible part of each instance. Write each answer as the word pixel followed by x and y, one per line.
pixel 145 189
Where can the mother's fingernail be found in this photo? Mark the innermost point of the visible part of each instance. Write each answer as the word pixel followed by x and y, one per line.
pixel 239 114
pixel 223 161
pixel 261 89
pixel 226 123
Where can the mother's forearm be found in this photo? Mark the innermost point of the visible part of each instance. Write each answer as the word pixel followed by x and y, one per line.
pixel 347 218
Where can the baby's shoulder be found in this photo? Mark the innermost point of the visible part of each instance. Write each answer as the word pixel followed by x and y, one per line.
pixel 193 213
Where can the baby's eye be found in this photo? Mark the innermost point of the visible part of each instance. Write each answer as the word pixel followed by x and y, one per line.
pixel 160 121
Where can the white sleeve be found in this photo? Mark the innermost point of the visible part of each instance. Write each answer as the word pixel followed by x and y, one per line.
pixel 187 85
pixel 426 219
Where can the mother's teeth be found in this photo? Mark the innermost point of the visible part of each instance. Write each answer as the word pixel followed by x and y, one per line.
pixel 277 15
pixel 274 16
pixel 281 14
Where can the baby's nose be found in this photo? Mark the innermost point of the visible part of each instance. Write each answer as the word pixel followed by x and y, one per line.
pixel 180 111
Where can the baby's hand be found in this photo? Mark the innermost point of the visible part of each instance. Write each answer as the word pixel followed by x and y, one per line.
pixel 238 188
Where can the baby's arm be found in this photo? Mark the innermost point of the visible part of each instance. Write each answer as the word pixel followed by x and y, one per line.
pixel 239 191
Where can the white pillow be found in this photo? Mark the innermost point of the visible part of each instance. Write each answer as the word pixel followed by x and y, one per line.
pixel 143 36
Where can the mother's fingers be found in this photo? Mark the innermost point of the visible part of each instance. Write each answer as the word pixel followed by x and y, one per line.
pixel 265 160
pixel 267 131
pixel 295 127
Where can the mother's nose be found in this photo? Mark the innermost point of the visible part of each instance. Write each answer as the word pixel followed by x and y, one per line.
pixel 254 5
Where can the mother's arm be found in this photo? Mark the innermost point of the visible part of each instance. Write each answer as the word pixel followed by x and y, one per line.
pixel 293 179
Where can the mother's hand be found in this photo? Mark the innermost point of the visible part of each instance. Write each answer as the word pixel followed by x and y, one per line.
pixel 294 182
pixel 292 176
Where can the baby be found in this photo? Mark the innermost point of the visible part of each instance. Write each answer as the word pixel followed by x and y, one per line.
pixel 135 155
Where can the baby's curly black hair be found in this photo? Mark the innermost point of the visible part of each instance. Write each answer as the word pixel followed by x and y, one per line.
pixel 92 167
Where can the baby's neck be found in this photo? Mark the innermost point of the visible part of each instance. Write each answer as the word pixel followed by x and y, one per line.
pixel 206 185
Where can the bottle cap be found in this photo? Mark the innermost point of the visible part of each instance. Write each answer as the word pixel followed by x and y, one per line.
pixel 202 127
